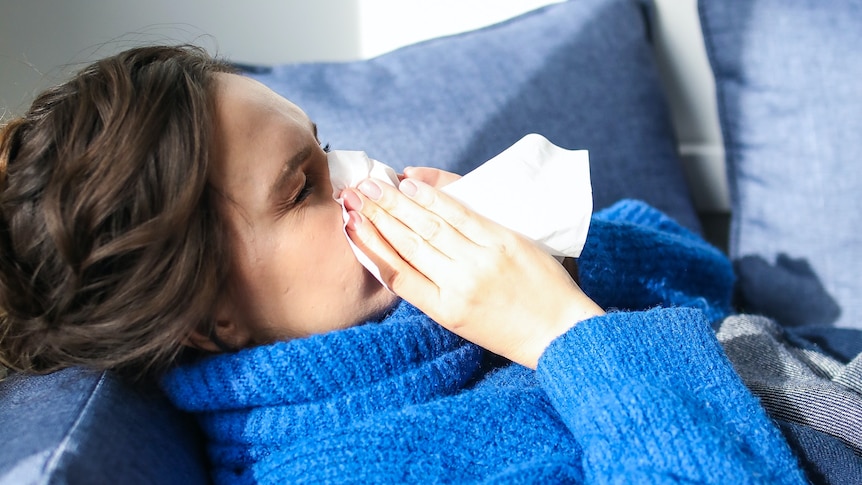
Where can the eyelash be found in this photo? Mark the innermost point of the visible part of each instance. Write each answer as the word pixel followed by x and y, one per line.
pixel 306 190
pixel 303 194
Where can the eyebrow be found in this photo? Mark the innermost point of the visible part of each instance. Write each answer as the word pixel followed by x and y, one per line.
pixel 287 170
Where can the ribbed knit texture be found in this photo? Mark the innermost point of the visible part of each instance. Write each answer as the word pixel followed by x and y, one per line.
pixel 654 399
pixel 637 396
pixel 636 257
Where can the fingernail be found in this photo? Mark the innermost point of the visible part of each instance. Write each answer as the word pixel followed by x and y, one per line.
pixel 352 202
pixel 353 220
pixel 370 189
pixel 408 187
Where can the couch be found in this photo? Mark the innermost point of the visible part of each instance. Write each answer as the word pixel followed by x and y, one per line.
pixel 583 73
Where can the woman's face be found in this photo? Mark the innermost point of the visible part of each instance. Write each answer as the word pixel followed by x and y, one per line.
pixel 293 273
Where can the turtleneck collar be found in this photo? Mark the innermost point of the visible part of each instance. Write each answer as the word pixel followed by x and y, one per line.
pixel 404 345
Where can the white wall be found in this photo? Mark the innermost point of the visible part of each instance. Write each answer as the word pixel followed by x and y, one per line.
pixel 688 79
pixel 41 41
pixel 388 24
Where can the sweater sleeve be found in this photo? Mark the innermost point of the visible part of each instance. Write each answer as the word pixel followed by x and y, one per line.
pixel 651 397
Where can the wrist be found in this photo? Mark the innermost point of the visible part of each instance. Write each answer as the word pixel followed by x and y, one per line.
pixel 579 309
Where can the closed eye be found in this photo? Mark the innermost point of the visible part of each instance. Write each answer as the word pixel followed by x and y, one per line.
pixel 307 190
pixel 295 201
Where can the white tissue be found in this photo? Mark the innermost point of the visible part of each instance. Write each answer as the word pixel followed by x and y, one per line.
pixel 534 187
pixel 347 169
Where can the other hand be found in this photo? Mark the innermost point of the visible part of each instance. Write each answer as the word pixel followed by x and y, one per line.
pixel 432 176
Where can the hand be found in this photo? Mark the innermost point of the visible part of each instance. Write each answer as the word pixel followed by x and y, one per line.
pixel 432 176
pixel 471 275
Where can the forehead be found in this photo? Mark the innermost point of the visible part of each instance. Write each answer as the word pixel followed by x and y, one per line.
pixel 235 93
pixel 253 122
pixel 256 132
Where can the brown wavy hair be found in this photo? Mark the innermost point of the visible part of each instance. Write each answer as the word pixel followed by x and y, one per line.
pixel 111 248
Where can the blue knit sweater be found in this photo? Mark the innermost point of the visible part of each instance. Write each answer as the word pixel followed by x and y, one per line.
pixel 644 395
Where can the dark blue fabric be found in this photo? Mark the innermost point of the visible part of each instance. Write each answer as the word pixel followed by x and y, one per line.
pixel 76 426
pixel 581 73
pixel 825 459
pixel 843 344
pixel 790 101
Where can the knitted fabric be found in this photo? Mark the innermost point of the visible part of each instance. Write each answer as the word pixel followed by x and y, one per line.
pixel 636 257
pixel 635 396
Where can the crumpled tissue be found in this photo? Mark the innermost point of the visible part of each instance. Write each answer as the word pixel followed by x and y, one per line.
pixel 534 187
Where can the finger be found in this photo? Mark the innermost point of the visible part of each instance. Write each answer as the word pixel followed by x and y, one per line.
pixel 472 225
pixel 427 225
pixel 401 277
pixel 409 245
pixel 431 176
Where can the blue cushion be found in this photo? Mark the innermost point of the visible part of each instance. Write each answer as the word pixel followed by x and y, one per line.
pixel 790 101
pixel 581 73
pixel 77 426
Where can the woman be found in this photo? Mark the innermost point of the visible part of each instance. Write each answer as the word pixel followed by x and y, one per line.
pixel 158 207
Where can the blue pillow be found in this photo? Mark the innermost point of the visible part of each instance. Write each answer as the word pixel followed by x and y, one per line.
pixel 79 426
pixel 581 73
pixel 789 81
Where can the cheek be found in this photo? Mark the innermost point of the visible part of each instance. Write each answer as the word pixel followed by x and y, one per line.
pixel 324 238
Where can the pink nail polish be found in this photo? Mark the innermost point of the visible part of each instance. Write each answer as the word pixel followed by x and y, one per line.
pixel 352 202
pixel 353 220
pixel 370 189
pixel 408 187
